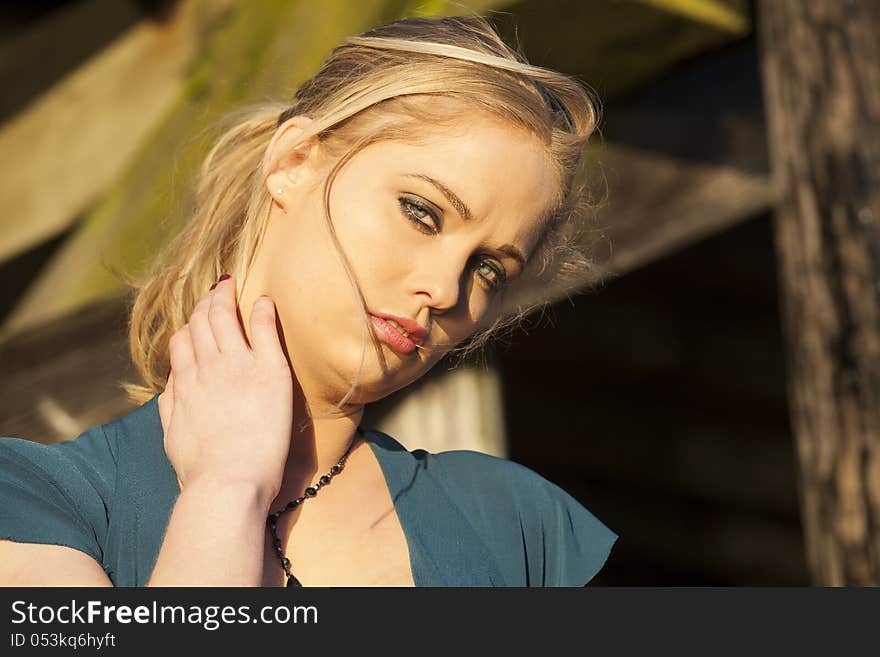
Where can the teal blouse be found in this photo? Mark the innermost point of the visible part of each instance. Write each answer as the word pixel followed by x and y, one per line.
pixel 470 519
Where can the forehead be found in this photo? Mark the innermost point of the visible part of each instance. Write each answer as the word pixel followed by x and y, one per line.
pixel 502 173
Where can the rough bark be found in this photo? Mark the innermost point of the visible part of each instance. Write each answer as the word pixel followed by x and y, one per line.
pixel 821 68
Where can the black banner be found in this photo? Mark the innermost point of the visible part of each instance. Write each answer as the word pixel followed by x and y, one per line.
pixel 90 621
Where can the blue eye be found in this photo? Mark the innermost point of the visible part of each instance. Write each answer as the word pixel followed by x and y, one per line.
pixel 416 212
pixel 499 279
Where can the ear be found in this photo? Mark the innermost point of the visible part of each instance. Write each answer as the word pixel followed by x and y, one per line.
pixel 285 159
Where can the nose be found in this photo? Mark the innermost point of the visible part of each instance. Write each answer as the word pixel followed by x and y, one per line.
pixel 440 280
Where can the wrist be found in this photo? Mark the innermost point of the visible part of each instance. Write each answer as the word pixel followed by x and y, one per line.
pixel 231 488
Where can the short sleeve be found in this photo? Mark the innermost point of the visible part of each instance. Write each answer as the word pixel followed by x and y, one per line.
pixel 540 534
pixel 57 494
pixel 576 544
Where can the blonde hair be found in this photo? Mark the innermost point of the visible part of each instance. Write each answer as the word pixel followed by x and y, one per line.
pixel 370 88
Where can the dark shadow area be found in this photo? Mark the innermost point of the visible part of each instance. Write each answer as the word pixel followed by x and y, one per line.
pixel 659 402
pixel 19 272
pixel 707 110
pixel 614 46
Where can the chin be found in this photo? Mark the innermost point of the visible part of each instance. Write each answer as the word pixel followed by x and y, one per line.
pixel 402 371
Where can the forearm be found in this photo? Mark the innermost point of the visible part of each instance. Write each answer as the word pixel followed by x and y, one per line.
pixel 215 537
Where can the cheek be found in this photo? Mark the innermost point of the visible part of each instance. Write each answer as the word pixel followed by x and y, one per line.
pixel 377 252
pixel 303 273
pixel 358 224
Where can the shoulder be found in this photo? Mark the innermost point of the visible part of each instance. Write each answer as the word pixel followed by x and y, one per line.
pixel 60 493
pixel 563 543
pixel 85 462
pixel 483 475
pixel 477 469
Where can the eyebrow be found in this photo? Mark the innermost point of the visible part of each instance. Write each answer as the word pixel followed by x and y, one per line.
pixel 465 212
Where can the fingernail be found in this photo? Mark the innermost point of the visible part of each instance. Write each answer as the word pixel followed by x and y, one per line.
pixel 224 277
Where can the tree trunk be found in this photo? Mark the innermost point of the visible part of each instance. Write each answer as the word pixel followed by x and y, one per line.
pixel 821 69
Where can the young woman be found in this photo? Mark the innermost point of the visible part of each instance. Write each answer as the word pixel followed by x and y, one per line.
pixel 409 200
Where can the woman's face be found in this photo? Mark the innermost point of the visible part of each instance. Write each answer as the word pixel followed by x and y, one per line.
pixel 429 230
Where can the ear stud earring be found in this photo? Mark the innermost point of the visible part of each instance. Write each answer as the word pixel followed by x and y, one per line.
pixel 279 191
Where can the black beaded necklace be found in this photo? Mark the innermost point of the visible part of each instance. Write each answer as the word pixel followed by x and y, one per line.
pixel 311 491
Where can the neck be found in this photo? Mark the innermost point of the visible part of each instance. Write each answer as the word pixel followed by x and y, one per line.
pixel 316 445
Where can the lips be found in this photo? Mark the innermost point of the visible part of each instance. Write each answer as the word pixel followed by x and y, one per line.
pixel 394 338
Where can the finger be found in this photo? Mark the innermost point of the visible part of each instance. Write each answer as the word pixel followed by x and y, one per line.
pixel 183 358
pixel 223 316
pixel 264 334
pixel 204 343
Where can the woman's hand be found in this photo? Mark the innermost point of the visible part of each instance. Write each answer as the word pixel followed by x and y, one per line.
pixel 227 409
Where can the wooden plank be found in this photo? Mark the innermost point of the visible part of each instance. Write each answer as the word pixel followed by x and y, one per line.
pixel 72 142
pixel 60 379
pixel 44 44
pixel 821 64
pixel 731 16
pixel 679 202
